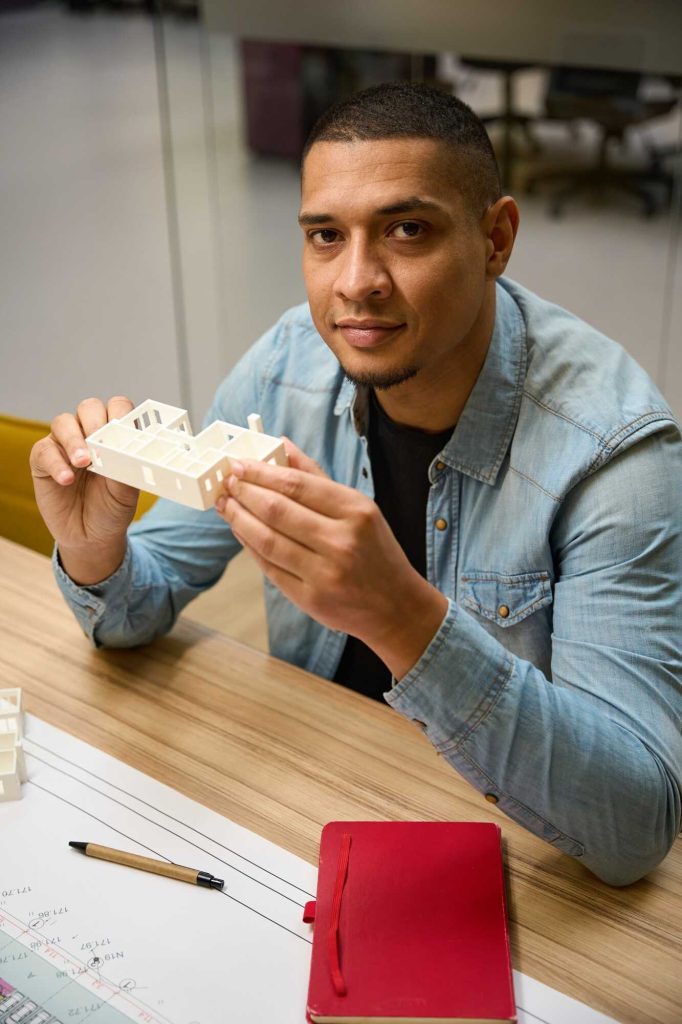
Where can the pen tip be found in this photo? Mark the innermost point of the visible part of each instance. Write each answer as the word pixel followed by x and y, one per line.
pixel 217 883
pixel 79 846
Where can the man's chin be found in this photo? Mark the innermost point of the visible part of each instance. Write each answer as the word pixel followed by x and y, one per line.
pixel 381 380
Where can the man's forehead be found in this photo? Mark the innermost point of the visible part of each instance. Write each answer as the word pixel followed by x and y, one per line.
pixel 379 173
pixel 383 157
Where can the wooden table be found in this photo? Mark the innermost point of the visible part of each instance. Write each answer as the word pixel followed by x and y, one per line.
pixel 281 752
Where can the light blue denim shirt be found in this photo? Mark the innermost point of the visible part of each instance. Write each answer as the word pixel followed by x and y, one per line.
pixel 554 682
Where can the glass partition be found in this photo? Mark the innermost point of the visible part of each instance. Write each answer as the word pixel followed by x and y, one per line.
pixel 149 181
pixel 590 149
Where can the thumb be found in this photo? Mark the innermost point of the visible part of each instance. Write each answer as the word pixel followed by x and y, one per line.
pixel 299 460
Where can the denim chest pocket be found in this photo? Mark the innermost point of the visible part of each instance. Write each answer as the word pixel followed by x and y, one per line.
pixel 505 599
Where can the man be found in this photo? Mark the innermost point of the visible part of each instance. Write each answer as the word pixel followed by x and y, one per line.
pixel 484 527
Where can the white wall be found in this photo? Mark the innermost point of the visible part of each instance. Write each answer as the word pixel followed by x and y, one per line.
pixel 86 305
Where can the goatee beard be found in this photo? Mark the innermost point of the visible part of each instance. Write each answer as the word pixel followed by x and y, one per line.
pixel 382 381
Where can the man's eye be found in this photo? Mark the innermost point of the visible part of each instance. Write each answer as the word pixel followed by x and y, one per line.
pixel 408 229
pixel 325 236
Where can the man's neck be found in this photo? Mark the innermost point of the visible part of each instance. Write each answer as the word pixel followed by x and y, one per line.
pixel 435 403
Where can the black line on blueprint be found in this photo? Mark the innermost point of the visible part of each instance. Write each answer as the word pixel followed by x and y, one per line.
pixel 100 820
pixel 170 816
pixel 533 1015
pixel 133 840
pixel 260 914
pixel 165 828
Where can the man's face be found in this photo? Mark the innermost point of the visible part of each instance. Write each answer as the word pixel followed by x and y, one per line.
pixel 394 263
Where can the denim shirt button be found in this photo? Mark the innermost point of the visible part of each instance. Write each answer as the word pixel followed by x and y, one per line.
pixel 491 798
pixel 441 524
pixel 503 611
pixel 440 466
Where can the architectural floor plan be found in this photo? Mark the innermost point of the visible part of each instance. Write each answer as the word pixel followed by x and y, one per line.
pixel 85 940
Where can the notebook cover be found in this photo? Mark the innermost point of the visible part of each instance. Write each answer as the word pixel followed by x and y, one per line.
pixel 422 929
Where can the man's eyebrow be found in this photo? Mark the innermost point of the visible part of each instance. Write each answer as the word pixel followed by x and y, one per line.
pixel 310 219
pixel 408 205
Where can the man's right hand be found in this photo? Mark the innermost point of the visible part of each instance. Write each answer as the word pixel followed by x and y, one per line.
pixel 87 514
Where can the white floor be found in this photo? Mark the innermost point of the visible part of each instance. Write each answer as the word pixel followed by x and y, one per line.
pixel 87 299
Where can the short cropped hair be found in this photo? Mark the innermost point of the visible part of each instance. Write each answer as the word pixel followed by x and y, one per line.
pixel 412 110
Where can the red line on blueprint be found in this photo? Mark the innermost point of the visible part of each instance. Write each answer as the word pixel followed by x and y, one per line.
pixel 55 952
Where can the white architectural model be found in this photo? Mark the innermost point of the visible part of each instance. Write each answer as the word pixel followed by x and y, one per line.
pixel 153 448
pixel 12 766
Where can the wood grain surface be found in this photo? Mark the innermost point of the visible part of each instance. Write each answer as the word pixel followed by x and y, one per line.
pixel 282 752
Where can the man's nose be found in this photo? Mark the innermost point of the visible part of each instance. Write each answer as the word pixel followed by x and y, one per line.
pixel 362 274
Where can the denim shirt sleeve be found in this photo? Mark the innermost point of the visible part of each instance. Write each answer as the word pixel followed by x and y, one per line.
pixel 174 552
pixel 590 759
pixel 89 604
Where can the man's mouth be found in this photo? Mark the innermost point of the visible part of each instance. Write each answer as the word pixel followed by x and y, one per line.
pixel 367 333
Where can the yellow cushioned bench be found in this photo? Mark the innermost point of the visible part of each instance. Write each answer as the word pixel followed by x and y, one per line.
pixel 20 519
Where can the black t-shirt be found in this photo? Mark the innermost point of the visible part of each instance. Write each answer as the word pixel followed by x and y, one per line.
pixel 400 458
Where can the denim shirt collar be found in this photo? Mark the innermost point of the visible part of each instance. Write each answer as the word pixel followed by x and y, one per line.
pixel 483 434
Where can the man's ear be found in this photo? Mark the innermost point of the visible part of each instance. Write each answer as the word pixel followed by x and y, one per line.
pixel 500 223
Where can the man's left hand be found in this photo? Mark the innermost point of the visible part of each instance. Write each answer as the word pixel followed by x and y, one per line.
pixel 330 551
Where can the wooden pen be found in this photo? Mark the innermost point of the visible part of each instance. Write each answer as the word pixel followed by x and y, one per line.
pixel 157 867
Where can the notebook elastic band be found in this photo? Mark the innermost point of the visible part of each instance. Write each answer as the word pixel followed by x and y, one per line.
pixel 333 936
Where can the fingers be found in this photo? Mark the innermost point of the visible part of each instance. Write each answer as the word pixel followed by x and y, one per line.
pixel 69 432
pixel 314 491
pixel 118 407
pixel 56 456
pixel 91 415
pixel 291 586
pixel 64 450
pixel 299 459
pixel 48 459
pixel 67 435
pixel 265 543
pixel 254 513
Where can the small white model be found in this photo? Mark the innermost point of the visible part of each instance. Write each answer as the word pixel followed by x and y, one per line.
pixel 12 765
pixel 153 448
pixel 10 710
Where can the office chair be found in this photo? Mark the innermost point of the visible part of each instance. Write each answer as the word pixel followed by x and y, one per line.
pixel 610 100
pixel 508 117
pixel 20 519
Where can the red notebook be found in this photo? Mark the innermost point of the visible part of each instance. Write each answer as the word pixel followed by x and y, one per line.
pixel 410 925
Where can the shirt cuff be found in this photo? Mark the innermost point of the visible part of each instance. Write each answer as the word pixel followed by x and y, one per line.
pixel 90 603
pixel 457 681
